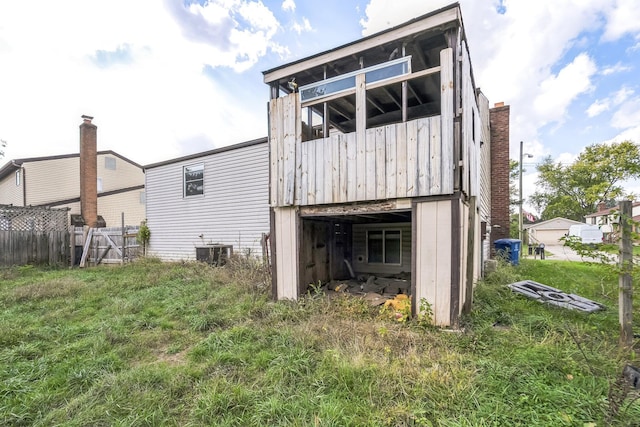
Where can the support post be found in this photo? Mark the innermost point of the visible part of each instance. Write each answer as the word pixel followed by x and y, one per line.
pixel 625 295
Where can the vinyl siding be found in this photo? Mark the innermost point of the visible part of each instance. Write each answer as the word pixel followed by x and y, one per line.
pixel 111 208
pixel 125 175
pixel 233 209
pixel 360 263
pixel 10 193
pixel 52 180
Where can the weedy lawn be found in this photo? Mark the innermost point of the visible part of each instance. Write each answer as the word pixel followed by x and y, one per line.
pixel 187 345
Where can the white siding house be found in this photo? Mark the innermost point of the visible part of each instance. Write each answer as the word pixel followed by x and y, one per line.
pixel 216 197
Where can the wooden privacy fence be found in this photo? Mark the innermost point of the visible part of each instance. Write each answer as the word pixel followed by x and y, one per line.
pixel 34 247
pixel 108 245
pixel 34 235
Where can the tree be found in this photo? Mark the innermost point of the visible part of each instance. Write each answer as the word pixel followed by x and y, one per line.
pixel 575 190
pixel 3 144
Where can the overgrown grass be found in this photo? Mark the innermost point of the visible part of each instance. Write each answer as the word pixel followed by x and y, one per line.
pixel 184 344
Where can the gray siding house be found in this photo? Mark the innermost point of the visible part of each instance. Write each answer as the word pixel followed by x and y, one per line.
pixel 217 197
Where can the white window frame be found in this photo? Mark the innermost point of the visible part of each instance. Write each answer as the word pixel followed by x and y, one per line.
pixel 384 232
pixel 188 168
pixel 18 178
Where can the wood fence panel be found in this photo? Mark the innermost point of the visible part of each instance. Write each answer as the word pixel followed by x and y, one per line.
pixel 33 247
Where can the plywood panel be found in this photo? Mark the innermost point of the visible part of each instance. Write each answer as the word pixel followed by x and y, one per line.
pixel 343 169
pixel 370 173
pixel 320 175
pixel 435 157
pixel 401 159
pixel 446 119
pixel 351 166
pixel 361 122
pixel 381 171
pixel 433 257
pixel 289 149
pixel 286 253
pixel 334 169
pixel 422 142
pixel 390 162
pixel 412 159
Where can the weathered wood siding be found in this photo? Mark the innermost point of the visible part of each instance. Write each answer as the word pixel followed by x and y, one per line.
pixel 360 264
pixel 395 161
pixel 286 253
pixel 31 247
pixel 470 129
pixel 433 232
pixel 233 210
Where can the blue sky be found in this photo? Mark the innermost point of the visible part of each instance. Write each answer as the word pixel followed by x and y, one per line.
pixel 172 77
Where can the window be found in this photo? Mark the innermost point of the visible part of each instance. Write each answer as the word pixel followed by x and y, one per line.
pixel 17 178
pixel 194 180
pixel 99 185
pixel 347 82
pixel 110 163
pixel 384 247
pixel 143 198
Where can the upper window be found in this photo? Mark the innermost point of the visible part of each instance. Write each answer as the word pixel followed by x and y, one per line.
pixel 384 247
pixel 347 82
pixel 110 163
pixel 194 180
pixel 18 178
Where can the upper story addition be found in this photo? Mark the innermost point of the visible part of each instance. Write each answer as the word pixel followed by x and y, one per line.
pixel 375 119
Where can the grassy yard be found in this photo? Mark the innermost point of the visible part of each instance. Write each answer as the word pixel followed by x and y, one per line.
pixel 187 345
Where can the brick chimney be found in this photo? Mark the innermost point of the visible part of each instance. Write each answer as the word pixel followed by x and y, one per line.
pixel 88 172
pixel 500 197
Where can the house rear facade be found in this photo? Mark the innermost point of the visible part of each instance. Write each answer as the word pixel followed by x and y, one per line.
pixel 217 198
pixel 380 161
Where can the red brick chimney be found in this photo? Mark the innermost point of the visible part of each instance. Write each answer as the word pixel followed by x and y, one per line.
pixel 88 172
pixel 500 197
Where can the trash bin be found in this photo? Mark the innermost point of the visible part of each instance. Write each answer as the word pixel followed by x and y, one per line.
pixel 509 250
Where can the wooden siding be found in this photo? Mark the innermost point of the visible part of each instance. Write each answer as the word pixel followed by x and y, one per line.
pixel 470 129
pixel 286 254
pixel 360 264
pixel 433 232
pixel 395 161
pixel 233 210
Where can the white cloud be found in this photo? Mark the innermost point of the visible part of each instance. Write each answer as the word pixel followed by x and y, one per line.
pixel 300 27
pixel 557 92
pixel 289 5
pixel 628 115
pixel 598 107
pixel 623 18
pixel 602 105
pixel 618 68
pixel 146 108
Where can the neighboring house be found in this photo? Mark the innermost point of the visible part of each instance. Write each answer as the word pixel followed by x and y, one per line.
pixel 56 181
pixel 549 232
pixel 219 197
pixel 608 216
pixel 384 154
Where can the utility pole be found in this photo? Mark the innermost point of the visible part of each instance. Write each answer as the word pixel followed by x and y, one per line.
pixel 520 199
pixel 625 293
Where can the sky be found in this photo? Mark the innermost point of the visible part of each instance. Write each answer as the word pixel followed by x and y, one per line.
pixel 167 78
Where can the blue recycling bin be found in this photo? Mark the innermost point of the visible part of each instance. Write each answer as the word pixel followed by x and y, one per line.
pixel 509 250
